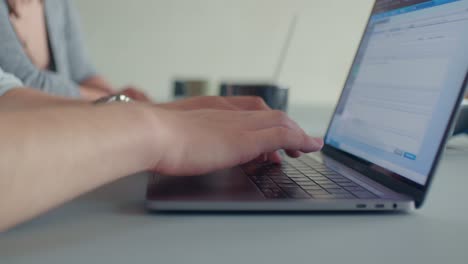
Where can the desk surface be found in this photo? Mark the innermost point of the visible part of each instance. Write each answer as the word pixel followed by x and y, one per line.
pixel 110 225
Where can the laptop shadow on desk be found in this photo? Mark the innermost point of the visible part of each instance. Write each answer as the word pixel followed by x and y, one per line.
pixel 276 213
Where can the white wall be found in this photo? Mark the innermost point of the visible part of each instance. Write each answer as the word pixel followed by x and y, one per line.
pixel 149 42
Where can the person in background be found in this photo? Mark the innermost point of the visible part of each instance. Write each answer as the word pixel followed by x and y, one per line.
pixel 42 44
pixel 59 148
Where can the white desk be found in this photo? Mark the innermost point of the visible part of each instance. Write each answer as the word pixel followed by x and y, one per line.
pixel 109 225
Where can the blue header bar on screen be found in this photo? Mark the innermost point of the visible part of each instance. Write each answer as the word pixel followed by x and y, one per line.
pixel 412 8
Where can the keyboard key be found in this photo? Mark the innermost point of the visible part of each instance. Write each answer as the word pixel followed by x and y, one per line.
pixel 323 182
pixel 355 189
pixel 310 173
pixel 312 188
pixel 289 185
pixel 276 174
pixel 296 173
pixel 323 196
pixel 350 184
pixel 297 176
pixel 267 183
pixel 285 182
pixel 337 191
pixel 277 179
pixel 317 192
pixel 291 189
pixel 308 184
pixel 334 188
pixel 316 177
pixel 276 190
pixel 330 185
pixel 342 180
pixel 302 180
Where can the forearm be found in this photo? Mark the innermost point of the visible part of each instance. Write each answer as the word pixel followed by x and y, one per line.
pixel 27 98
pixel 50 156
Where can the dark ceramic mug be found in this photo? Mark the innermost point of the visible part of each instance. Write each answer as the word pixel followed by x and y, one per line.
pixel 275 96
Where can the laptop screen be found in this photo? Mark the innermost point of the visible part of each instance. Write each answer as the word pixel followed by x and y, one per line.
pixel 403 85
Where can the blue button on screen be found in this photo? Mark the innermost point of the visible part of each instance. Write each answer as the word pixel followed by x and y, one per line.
pixel 410 156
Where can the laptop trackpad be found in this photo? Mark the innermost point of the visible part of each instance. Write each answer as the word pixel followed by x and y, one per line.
pixel 230 184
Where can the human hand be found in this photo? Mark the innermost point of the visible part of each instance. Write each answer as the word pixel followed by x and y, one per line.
pixel 135 94
pixel 200 141
pixel 246 103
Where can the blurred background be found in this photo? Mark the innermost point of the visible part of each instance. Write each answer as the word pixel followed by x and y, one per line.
pixel 150 42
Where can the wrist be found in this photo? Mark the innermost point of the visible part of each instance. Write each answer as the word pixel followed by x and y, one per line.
pixel 152 132
pixel 141 125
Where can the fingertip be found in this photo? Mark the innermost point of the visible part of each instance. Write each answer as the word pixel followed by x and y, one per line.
pixel 293 153
pixel 319 142
pixel 275 157
pixel 313 144
pixel 260 159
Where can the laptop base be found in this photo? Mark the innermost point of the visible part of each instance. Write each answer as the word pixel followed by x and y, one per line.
pixel 233 190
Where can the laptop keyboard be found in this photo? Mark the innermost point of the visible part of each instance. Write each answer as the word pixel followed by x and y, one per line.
pixel 303 178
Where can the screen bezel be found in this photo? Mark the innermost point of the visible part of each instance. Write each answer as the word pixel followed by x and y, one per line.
pixel 377 173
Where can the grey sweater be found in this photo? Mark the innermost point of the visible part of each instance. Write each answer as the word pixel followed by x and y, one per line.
pixel 71 64
pixel 8 82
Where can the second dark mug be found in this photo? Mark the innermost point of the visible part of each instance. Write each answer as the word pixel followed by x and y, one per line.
pixel 274 96
pixel 184 88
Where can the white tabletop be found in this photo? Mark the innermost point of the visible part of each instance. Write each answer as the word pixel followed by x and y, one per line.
pixel 110 225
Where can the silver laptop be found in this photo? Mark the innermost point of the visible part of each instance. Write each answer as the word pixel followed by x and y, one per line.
pixel 385 138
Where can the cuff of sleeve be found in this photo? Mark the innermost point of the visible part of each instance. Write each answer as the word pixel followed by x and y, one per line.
pixel 8 82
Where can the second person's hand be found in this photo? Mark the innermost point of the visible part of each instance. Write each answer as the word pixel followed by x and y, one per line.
pixel 135 94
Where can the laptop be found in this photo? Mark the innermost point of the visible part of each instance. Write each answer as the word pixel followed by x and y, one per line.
pixel 385 138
